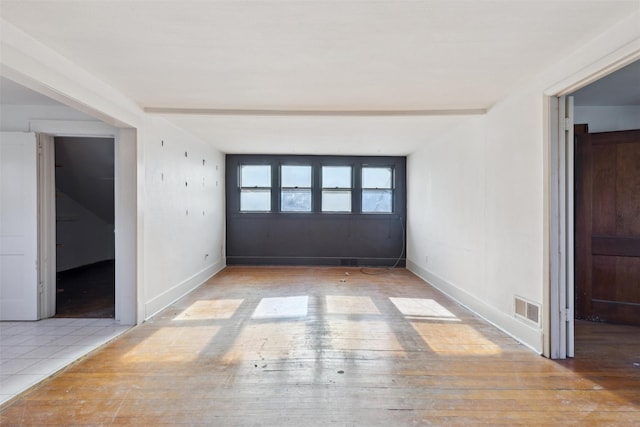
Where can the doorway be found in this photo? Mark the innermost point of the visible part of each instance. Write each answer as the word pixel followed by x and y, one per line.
pixel 85 223
pixel 604 104
pixel 607 214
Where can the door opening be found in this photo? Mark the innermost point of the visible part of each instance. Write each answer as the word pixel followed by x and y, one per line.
pixel 85 240
pixel 599 203
pixel 607 214
pixel 606 100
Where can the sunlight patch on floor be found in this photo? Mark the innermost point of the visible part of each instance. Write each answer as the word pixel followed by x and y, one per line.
pixel 423 308
pixel 454 339
pixel 350 305
pixel 210 309
pixel 281 307
pixel 165 345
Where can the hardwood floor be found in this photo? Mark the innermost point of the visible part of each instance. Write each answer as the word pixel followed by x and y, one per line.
pixel 275 346
pixel 87 291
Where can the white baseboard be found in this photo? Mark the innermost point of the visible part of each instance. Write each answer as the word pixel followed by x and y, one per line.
pixel 170 296
pixel 525 334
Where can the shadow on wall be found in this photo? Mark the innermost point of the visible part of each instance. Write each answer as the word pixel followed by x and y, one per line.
pixel 84 201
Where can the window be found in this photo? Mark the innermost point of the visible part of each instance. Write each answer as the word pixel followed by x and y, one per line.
pixel 377 190
pixel 336 188
pixel 255 188
pixel 295 188
pixel 316 185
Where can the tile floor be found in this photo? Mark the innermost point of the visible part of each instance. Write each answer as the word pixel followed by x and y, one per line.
pixel 32 351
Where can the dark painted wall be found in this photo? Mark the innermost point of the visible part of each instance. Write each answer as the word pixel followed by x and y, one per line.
pixel 315 238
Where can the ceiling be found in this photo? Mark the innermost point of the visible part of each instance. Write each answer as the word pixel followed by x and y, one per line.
pixel 315 77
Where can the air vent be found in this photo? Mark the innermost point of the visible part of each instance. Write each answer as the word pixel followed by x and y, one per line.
pixel 527 310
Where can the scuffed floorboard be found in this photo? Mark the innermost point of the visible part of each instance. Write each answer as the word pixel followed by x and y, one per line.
pixel 276 346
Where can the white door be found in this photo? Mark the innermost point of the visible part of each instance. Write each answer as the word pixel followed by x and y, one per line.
pixel 18 226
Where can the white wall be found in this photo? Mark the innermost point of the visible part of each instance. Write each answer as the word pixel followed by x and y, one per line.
pixel 184 213
pixel 179 252
pixel 478 197
pixel 446 203
pixel 475 219
pixel 162 253
pixel 16 118
pixel 608 118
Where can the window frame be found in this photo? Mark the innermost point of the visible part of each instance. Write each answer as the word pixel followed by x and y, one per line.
pixel 255 188
pixel 392 188
pixel 350 189
pixel 281 188
pixel 233 185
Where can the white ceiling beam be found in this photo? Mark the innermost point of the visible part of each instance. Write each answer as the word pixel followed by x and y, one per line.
pixel 312 113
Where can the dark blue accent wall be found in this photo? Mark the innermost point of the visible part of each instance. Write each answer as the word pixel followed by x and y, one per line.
pixel 315 238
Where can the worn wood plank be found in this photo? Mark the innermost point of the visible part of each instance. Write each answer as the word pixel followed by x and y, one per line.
pixel 322 346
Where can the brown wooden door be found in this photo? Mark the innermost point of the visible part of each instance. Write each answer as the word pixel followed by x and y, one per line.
pixel 607 227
